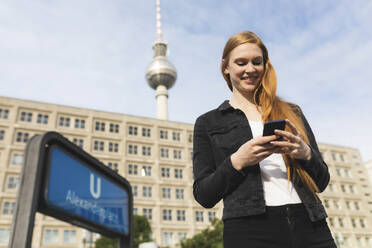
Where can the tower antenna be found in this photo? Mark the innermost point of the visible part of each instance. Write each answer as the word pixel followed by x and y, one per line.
pixel 161 74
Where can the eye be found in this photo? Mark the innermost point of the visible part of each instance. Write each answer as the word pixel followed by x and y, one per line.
pixel 241 62
pixel 257 61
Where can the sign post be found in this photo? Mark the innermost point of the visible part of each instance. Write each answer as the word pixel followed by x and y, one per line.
pixel 59 179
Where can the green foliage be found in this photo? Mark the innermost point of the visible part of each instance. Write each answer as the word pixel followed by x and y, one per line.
pixel 142 230
pixel 208 238
pixel 141 233
pixel 104 242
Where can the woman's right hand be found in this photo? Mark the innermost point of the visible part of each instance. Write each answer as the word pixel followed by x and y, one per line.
pixel 253 151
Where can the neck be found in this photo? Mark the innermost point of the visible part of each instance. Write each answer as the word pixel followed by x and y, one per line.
pixel 241 101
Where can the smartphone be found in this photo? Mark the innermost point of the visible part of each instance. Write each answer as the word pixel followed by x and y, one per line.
pixel 270 126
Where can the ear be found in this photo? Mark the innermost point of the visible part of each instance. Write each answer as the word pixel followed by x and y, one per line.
pixel 226 70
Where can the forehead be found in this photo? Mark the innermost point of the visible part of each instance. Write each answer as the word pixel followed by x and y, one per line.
pixel 246 50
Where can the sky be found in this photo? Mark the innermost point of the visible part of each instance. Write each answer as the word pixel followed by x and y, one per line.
pixel 94 54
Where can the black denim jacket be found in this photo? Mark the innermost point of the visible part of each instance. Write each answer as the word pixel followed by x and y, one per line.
pixel 219 133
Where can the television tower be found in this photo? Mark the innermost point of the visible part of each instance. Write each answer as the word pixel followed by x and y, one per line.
pixel 161 74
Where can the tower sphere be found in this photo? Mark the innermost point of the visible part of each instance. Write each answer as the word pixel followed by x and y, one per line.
pixel 161 71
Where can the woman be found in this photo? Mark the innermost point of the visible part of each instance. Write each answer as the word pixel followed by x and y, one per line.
pixel 268 185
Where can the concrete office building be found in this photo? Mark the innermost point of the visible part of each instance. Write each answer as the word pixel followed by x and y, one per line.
pixel 155 156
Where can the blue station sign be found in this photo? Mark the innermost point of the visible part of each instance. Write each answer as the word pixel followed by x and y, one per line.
pixel 75 187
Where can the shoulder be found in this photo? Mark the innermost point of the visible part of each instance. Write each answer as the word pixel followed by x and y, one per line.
pixel 295 108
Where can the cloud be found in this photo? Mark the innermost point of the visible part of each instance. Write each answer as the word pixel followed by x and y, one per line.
pixel 93 54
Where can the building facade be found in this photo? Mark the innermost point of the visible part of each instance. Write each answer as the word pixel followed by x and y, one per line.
pixel 155 157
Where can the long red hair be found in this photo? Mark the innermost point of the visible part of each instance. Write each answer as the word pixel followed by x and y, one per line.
pixel 272 107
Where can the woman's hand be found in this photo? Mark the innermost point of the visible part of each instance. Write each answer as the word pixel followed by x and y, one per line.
pixel 254 151
pixel 292 143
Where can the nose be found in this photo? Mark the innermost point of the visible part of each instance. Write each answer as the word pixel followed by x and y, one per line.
pixel 250 68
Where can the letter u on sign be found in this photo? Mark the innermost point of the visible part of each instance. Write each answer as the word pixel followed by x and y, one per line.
pixel 95 191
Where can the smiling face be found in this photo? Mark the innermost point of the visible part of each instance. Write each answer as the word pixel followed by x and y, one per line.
pixel 245 68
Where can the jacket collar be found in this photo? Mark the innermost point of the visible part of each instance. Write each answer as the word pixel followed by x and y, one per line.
pixel 225 106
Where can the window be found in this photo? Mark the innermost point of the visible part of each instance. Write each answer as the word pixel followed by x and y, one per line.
pixel 164 152
pixel 8 208
pixel 348 205
pixel 2 134
pixel 199 217
pixel 339 172
pixel 341 222
pixel 135 210
pixel 13 182
pixel 22 137
pixel 113 166
pixel 163 134
pixel 99 145
pixel 42 119
pixel 79 123
pixel 334 156
pixel 326 203
pixel 348 173
pixel 211 216
pixel 114 128
pixel 177 154
pixel 147 212
pixel 69 236
pixel 100 126
pixel 343 188
pixel 146 191
pixel 26 116
pixel 51 236
pixel 146 132
pixel 181 215
pixel 182 235
pixel 332 187
pixel 132 169
pixel 362 223
pixel 167 238
pixel 331 222
pixel 135 190
pixel 133 149
pixel 190 138
pixel 353 223
pixel 166 193
pixel 133 130
pixel 337 204
pixel 64 121
pixel 146 171
pixel 352 188
pixel 176 136
pixel 146 150
pixel 178 173
pixel 17 159
pixel 165 172
pixel 4 233
pixel 113 147
pixel 4 113
pixel 179 193
pixel 342 157
pixel 167 214
pixel 78 142
pixel 357 205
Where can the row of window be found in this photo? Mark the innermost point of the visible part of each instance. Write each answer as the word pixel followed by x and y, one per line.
pixel 168 238
pixel 166 192
pixel 343 222
pixel 178 214
pixel 163 134
pixel 345 188
pixel 52 236
pixel 335 204
pixel 344 172
pixel 344 240
pixel 99 145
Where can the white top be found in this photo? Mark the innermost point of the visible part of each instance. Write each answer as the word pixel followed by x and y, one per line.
pixel 277 190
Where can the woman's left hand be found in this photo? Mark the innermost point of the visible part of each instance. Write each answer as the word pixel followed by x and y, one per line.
pixel 292 143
